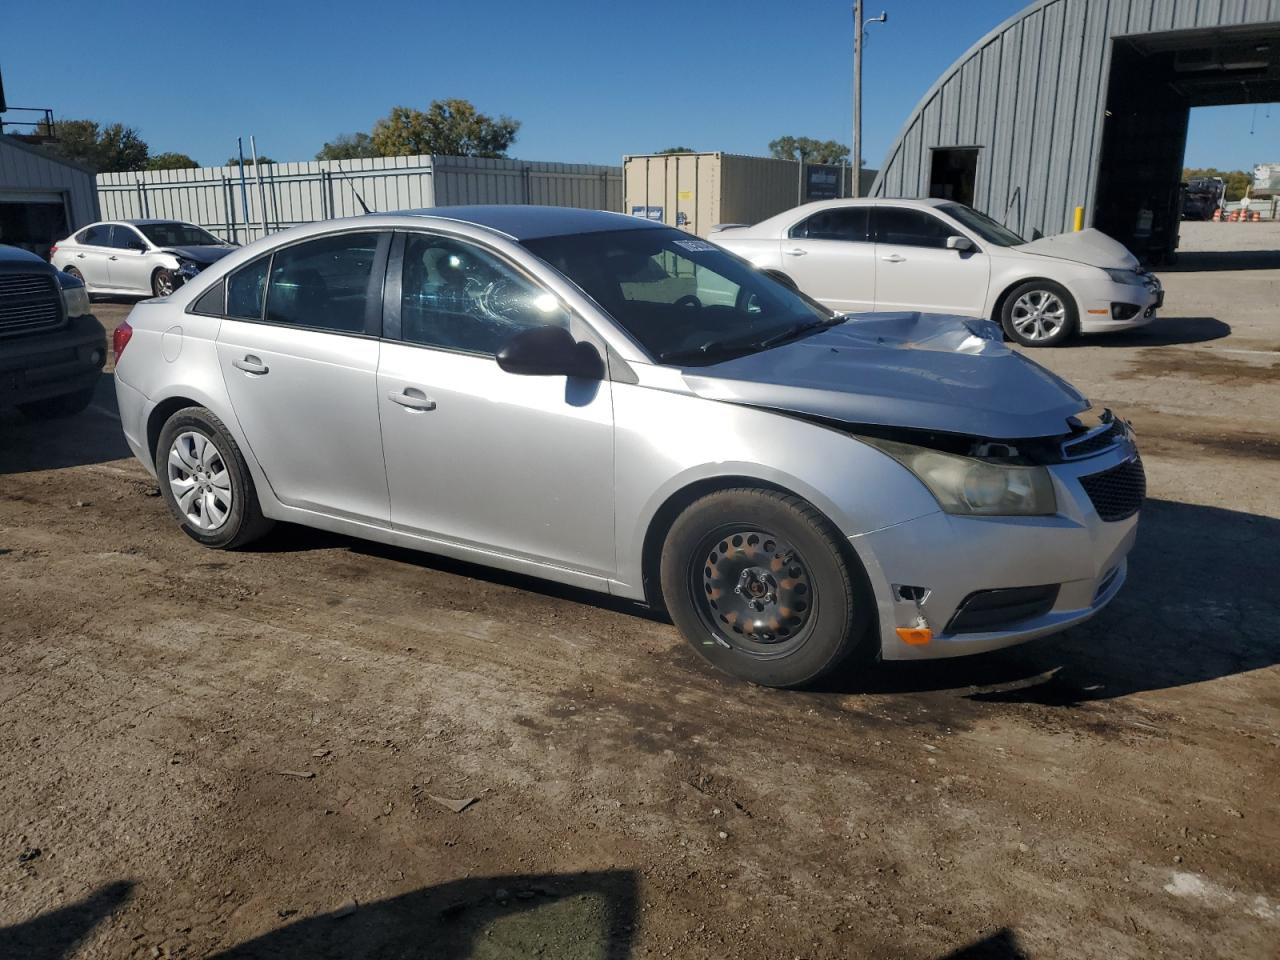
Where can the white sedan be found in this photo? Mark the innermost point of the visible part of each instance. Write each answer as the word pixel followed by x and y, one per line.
pixel 150 258
pixel 938 256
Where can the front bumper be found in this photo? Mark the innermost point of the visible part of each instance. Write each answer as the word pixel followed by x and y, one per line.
pixel 44 365
pixel 1097 299
pixel 952 557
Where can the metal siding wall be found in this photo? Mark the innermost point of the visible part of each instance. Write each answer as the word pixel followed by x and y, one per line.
pixel 1049 65
pixel 26 168
pixel 313 190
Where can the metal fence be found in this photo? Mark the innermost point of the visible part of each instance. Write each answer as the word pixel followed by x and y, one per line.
pixel 282 195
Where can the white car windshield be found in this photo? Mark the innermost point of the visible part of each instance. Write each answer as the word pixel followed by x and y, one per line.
pixel 988 229
pixel 178 235
pixel 685 300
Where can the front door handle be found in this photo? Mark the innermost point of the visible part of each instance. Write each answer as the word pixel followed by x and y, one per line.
pixel 251 364
pixel 79 256
pixel 795 252
pixel 113 257
pixel 894 258
pixel 413 399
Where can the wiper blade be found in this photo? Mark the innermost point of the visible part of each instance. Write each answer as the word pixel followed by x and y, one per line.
pixel 800 329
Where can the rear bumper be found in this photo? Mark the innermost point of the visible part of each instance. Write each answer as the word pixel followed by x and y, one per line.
pixel 51 364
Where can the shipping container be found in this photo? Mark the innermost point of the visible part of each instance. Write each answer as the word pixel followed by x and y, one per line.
pixel 1266 180
pixel 696 191
pixel 292 193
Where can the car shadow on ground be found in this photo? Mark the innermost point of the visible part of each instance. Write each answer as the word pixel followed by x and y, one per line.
pixel 91 436
pixel 1195 261
pixel 1196 607
pixel 55 935
pixel 1163 332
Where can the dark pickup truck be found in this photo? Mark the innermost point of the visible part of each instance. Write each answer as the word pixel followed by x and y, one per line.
pixel 52 348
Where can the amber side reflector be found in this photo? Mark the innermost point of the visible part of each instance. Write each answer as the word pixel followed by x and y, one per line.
pixel 915 636
pixel 1100 311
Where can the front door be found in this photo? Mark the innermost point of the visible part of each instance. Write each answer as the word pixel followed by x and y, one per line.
pixel 301 371
pixel 129 265
pixel 916 271
pixel 831 258
pixel 517 465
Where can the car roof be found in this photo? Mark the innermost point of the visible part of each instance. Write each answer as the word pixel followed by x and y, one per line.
pixel 524 222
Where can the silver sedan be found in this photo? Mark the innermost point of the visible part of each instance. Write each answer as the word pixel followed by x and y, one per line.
pixel 147 258
pixel 610 403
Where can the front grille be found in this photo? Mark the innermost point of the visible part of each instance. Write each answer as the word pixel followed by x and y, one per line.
pixel 1090 445
pixel 1117 493
pixel 988 610
pixel 29 302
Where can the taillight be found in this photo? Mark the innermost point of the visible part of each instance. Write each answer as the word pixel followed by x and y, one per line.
pixel 52 251
pixel 120 338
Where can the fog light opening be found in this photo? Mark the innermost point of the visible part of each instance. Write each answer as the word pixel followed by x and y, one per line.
pixel 1124 311
pixel 910 594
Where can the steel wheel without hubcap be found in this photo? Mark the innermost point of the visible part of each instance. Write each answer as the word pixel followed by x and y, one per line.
pixel 199 480
pixel 753 591
pixel 1038 314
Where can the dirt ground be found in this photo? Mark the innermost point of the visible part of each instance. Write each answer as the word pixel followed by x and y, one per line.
pixel 260 754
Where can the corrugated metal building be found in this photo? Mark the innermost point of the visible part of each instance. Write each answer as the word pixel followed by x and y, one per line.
pixel 292 193
pixel 1085 103
pixel 42 197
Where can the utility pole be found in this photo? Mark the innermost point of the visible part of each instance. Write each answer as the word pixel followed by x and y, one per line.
pixel 859 28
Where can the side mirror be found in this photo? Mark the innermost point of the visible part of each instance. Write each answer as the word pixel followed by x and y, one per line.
pixel 550 352
pixel 962 244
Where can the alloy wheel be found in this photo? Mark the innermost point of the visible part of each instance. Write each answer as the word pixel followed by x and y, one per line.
pixel 164 283
pixel 1039 314
pixel 199 480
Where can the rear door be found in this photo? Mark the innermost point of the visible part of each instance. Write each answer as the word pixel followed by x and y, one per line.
pixel 129 264
pixel 90 259
pixel 299 354
pixel 915 270
pixel 831 258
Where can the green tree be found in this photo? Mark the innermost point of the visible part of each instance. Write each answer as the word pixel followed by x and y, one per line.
pixel 348 146
pixel 248 161
pixel 808 150
pixel 1237 181
pixel 451 128
pixel 111 149
pixel 670 150
pixel 171 161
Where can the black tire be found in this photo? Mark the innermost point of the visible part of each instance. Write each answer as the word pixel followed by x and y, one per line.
pixel 802 635
pixel 53 408
pixel 1061 334
pixel 164 283
pixel 73 272
pixel 243 521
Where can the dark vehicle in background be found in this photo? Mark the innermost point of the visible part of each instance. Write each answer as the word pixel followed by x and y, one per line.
pixel 52 348
pixel 1201 196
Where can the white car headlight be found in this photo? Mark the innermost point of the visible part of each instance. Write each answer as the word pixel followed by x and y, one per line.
pixel 966 485
pixel 1131 277
pixel 75 296
pixel 188 268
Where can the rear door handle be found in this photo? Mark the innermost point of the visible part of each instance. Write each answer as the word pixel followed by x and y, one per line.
pixel 251 364
pixel 413 399
pixel 795 252
pixel 894 258
pixel 79 256
pixel 113 257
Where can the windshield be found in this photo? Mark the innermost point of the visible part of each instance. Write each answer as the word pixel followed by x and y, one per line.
pixel 178 235
pixel 685 300
pixel 988 229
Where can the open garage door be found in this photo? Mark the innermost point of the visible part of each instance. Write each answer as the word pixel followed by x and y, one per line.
pixel 1155 80
pixel 32 221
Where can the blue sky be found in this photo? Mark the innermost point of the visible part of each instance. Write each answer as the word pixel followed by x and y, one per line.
pixel 590 79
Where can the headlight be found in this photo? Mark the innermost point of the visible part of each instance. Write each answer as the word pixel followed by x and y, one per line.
pixel 965 485
pixel 1131 277
pixel 75 297
pixel 188 268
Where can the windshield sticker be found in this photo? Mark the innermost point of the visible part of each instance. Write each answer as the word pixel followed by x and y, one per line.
pixel 695 246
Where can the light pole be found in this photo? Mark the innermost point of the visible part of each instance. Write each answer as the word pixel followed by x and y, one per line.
pixel 859 27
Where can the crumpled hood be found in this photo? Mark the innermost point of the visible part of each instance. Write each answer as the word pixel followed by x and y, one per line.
pixel 925 371
pixel 1092 247
pixel 203 255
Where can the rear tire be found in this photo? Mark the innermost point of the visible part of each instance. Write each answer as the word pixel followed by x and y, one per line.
pixel 54 408
pixel 73 272
pixel 205 481
pixel 763 587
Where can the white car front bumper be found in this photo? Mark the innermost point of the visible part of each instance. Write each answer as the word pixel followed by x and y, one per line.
pixel 1106 305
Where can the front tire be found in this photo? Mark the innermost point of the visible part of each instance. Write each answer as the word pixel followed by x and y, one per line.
pixel 1039 313
pixel 54 408
pixel 206 483
pixel 762 586
pixel 162 283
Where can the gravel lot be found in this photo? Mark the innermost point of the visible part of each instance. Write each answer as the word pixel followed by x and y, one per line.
pixel 256 754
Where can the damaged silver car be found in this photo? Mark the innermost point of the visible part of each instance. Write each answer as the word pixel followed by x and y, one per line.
pixel 610 403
